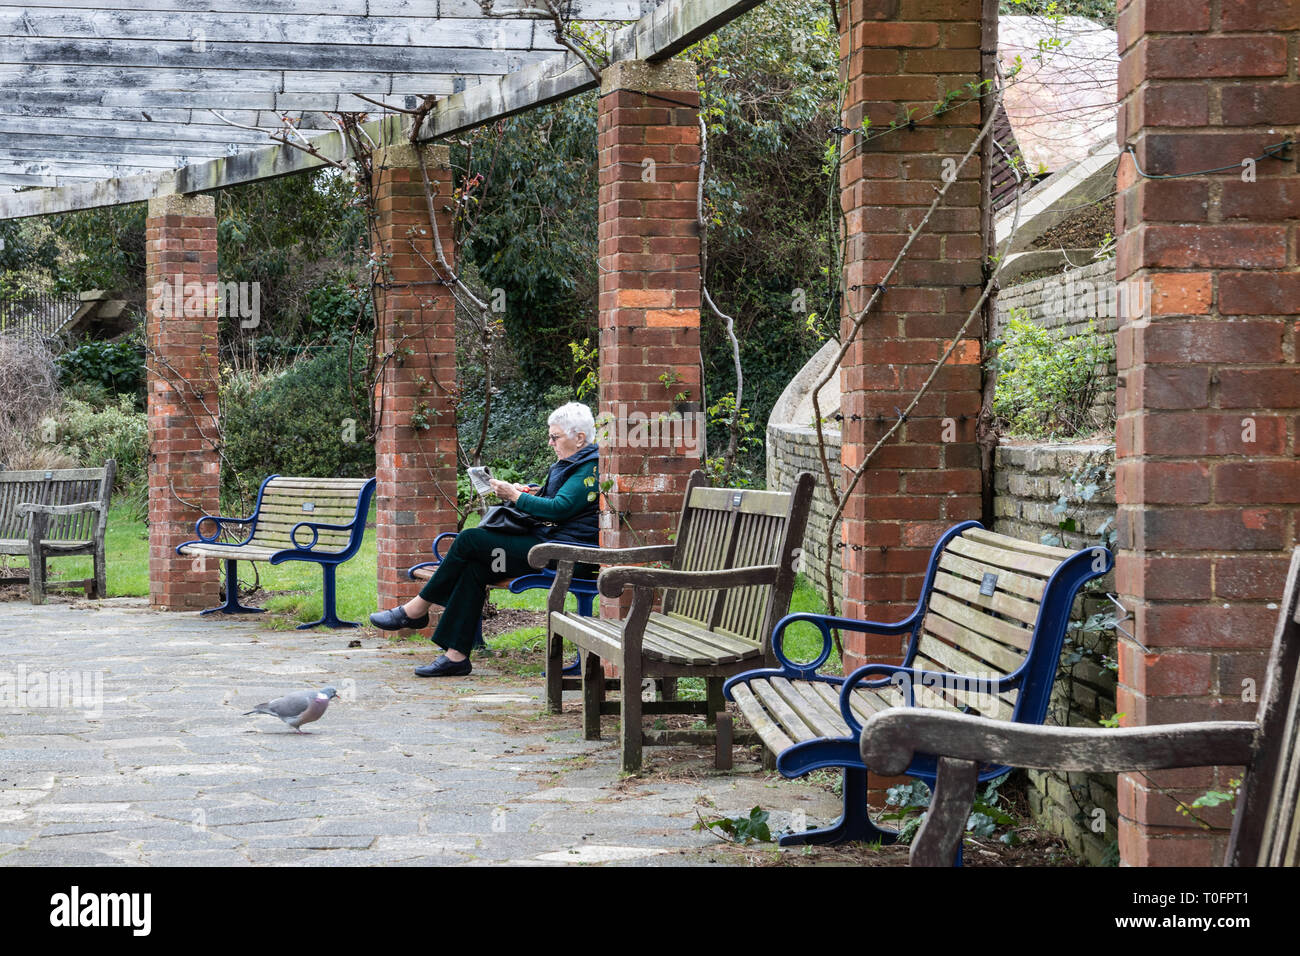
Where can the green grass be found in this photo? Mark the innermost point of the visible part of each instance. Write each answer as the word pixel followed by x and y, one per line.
pixel 127 546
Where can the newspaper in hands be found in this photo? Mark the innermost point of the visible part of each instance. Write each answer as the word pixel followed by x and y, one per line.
pixel 478 477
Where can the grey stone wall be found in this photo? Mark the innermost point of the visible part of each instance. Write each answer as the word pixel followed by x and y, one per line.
pixel 790 450
pixel 1072 300
pixel 1028 480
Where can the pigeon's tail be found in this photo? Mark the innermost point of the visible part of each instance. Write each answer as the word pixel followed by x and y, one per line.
pixel 260 709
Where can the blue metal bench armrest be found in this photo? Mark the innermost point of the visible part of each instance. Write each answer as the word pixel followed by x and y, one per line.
pixel 826 623
pixel 907 679
pixel 316 528
pixel 220 523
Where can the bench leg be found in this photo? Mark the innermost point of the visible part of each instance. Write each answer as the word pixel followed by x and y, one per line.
pixel 329 618
pixel 714 702
pixel 630 716
pixel 584 609
pixel 36 574
pixel 232 605
pixel 854 826
pixel 101 575
pixel 593 695
pixel 554 672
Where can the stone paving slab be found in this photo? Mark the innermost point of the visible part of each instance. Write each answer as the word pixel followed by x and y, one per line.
pixel 130 747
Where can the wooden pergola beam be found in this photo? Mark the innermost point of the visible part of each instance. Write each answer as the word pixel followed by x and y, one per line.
pixel 662 33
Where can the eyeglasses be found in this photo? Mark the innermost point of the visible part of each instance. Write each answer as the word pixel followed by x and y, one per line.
pixel 552 439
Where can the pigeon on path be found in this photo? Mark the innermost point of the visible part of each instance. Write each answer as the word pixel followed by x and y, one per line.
pixel 298 709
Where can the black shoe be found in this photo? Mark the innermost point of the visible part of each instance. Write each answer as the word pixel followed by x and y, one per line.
pixel 396 620
pixel 444 667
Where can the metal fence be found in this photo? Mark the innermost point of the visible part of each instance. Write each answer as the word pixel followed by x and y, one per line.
pixel 39 316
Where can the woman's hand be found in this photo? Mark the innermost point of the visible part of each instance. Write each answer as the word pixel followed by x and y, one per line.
pixel 504 490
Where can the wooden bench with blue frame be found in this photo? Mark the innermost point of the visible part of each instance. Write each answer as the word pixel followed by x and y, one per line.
pixel 985 638
pixel 332 510
pixel 582 588
pixel 1265 821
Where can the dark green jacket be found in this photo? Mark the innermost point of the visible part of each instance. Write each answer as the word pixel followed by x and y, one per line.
pixel 570 499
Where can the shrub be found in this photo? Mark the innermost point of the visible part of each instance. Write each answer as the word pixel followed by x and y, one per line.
pixel 28 394
pixel 117 431
pixel 116 367
pixel 1047 381
pixel 294 423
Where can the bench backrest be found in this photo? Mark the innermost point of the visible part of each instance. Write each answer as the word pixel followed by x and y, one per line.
pixel 63 486
pixel 283 502
pixel 1020 622
pixel 723 528
pixel 1266 825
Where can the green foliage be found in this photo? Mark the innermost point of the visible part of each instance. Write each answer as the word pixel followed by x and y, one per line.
pixel 300 239
pixel 118 431
pixel 987 812
pixel 116 367
pixel 516 443
pixel 530 191
pixel 742 830
pixel 743 475
pixel 586 368
pixel 769 94
pixel 28 253
pixel 293 423
pixel 1046 380
pixel 104 249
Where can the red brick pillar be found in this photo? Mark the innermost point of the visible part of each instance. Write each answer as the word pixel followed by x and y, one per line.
pixel 181 371
pixel 415 448
pixel 649 144
pixel 897 54
pixel 1207 478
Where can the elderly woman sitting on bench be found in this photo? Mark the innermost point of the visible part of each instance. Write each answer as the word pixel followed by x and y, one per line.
pixel 569 505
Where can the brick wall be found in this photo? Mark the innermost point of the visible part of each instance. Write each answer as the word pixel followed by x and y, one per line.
pixel 181 382
pixel 415 447
pixel 896 54
pixel 1208 479
pixel 649 259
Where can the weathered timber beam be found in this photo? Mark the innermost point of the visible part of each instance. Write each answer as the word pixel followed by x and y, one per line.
pixel 664 32
pixel 445 9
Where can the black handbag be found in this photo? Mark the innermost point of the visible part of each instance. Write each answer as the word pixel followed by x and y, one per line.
pixel 510 520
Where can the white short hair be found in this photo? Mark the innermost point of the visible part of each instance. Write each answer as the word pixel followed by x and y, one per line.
pixel 573 418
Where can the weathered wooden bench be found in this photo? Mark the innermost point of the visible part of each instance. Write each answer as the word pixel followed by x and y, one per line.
pixel 582 588
pixel 730 574
pixel 1266 822
pixel 56 514
pixel 985 638
pixel 331 510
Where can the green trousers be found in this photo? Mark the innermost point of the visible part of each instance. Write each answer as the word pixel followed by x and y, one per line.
pixel 475 559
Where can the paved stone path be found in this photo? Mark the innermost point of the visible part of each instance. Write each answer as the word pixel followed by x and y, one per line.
pixel 159 767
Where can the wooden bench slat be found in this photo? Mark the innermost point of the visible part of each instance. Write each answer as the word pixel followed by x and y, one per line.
pixel 999 601
pixel 866 701
pixel 772 735
pixel 772 701
pixel 809 706
pixel 682 648
pixel 1027 587
pixel 775 503
pixel 1002 658
pixel 676 648
pixel 980 622
pixel 999 557
pixel 724 642
pixel 993 539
